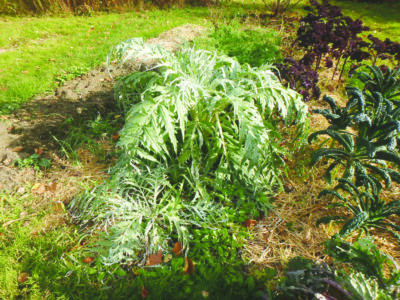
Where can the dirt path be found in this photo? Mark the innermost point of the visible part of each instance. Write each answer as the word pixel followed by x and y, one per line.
pixel 39 121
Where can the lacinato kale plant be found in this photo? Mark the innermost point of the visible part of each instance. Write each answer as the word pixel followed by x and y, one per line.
pixel 368 210
pixel 363 152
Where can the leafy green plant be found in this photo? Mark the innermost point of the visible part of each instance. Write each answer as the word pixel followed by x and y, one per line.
pixel 363 288
pixel 368 210
pixel 195 123
pixel 149 212
pixel 388 84
pixel 305 278
pixel 35 161
pixel 362 153
pixel 69 74
pixel 205 114
pixel 363 256
pixel 251 46
pixel 89 134
pixel 364 138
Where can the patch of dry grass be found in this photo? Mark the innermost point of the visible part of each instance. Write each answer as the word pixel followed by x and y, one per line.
pixel 289 229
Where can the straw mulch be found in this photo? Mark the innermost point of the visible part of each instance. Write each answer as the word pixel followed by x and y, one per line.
pixel 289 229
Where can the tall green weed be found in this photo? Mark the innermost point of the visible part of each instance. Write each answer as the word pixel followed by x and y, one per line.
pixel 253 46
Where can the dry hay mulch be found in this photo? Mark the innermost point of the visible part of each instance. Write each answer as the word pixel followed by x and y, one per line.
pixel 289 230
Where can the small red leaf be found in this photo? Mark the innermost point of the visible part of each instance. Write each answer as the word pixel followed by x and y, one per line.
pixel 88 260
pixel 58 207
pixel 177 248
pixel 39 189
pixel 115 136
pixel 38 151
pixel 250 223
pixel 154 259
pixel 22 277
pixel 144 292
pixel 52 187
pixel 189 266
pixel 17 149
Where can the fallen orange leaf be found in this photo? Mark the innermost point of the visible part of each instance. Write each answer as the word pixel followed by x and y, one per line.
pixel 39 189
pixel 17 149
pixel 154 259
pixel 22 277
pixel 250 223
pixel 38 151
pixel 88 260
pixel 189 266
pixel 58 207
pixel 52 187
pixel 177 248
pixel 144 292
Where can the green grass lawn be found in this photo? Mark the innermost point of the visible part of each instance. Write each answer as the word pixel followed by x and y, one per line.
pixel 382 18
pixel 36 50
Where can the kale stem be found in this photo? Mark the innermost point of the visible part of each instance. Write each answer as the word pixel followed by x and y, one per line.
pixel 344 64
pixel 336 67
